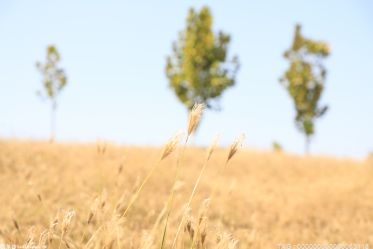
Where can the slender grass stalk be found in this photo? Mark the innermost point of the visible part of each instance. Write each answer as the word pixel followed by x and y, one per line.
pixel 66 224
pixel 164 231
pixel 201 224
pixel 207 158
pixel 237 143
pixel 232 151
pixel 193 121
pixel 93 236
pixel 61 238
pixel 177 173
pixel 167 150
pixel 159 218
pixel 169 204
pixel 137 193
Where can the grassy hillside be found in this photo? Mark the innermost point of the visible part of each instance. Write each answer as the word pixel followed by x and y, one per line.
pixel 261 199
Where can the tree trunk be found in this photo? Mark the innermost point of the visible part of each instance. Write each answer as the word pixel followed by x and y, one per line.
pixel 53 122
pixel 307 145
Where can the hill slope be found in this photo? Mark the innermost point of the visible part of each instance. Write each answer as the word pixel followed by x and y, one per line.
pixel 263 199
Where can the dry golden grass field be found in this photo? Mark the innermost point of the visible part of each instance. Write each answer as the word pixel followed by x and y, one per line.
pixel 75 195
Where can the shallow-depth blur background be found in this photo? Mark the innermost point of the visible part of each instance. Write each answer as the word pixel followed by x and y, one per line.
pixel 114 54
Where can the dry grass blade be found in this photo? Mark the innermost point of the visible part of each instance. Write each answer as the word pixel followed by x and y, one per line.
pixel 209 151
pixel 235 146
pixel 226 241
pixel 43 238
pixel 15 223
pixel 167 150
pixel 171 145
pixel 212 147
pixel 194 117
pixel 200 233
pixel 67 220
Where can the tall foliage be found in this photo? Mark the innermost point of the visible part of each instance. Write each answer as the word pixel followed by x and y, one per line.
pixel 54 80
pixel 199 69
pixel 305 79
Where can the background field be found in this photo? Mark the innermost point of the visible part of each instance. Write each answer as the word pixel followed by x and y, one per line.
pixel 262 198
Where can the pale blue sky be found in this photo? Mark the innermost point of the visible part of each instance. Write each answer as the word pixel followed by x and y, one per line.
pixel 114 54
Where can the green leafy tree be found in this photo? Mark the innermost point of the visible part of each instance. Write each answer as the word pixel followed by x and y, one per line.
pixel 304 80
pixel 198 69
pixel 54 80
pixel 276 146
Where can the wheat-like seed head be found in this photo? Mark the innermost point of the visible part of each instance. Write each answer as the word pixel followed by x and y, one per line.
pixel 93 210
pixel 43 238
pixel 171 145
pixel 186 213
pixel 15 223
pixel 232 243
pixel 54 223
pixel 98 205
pixel 194 117
pixel 235 146
pixel 31 236
pixel 202 219
pixel 226 241
pixel 67 220
pixel 212 147
pixel 188 222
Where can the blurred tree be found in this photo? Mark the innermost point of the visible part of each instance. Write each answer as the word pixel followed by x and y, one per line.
pixel 304 81
pixel 277 147
pixel 54 80
pixel 198 70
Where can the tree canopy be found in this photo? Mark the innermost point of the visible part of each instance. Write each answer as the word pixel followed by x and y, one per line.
pixel 199 69
pixel 54 80
pixel 305 80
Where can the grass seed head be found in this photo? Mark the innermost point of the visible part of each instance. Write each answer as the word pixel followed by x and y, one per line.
pixel 31 236
pixel 232 244
pixel 225 241
pixel 235 146
pixel 53 223
pixel 188 227
pixel 171 145
pixel 67 220
pixel 15 223
pixel 43 238
pixel 195 117
pixel 212 147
